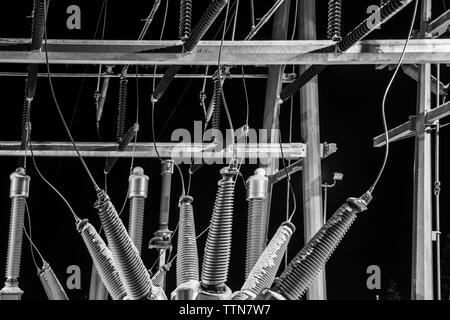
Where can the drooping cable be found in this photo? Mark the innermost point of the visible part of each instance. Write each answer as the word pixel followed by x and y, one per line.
pixel 61 116
pixel 383 105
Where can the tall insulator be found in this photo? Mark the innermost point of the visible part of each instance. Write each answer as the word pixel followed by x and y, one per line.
pixel 122 108
pixel 97 289
pixel 138 191
pixel 187 257
pixel 263 273
pixel 185 19
pixel 218 244
pixel 216 104
pixel 307 264
pixel 256 224
pixel 130 267
pixel 334 20
pixel 51 284
pixel 103 260
pixel 19 191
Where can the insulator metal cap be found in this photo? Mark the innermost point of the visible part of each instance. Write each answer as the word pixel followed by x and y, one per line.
pixel 138 184
pixel 290 225
pixel 167 167
pixel 184 199
pixel 20 184
pixel 257 185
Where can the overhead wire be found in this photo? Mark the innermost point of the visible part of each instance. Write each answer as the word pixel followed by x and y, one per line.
pixel 383 105
pixel 61 116
pixel 29 236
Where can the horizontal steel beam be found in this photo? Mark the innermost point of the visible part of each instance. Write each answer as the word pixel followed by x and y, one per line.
pixel 326 150
pixel 298 52
pixel 407 129
pixel 174 150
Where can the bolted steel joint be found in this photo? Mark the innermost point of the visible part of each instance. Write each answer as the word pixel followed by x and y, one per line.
pixel 257 185
pixel 138 183
pixel 20 184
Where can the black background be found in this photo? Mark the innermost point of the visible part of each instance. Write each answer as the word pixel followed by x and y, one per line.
pixel 350 109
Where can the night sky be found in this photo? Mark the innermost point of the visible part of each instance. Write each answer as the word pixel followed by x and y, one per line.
pixel 350 116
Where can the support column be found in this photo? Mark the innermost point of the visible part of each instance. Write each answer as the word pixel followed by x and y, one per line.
pixel 272 107
pixel 310 133
pixel 422 255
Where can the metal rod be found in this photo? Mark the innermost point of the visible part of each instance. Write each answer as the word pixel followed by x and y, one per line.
pixel 437 190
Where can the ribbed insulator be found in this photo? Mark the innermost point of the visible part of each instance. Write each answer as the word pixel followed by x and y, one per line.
pixel 307 264
pixel 367 26
pixel 263 273
pixel 51 284
pixel 136 225
pixel 19 191
pixel 15 238
pixel 185 19
pixel 216 103
pixel 103 260
pixel 165 82
pixel 256 240
pixel 122 108
pixel 334 20
pixel 359 33
pixel 301 80
pixel 218 244
pixel 37 28
pixel 413 71
pixel 138 191
pixel 97 289
pixel 26 118
pixel 211 13
pixel 130 267
pixel 187 257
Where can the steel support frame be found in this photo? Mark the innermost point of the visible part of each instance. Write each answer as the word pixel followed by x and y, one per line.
pixel 310 134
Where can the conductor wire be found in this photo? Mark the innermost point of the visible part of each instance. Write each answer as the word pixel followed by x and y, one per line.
pixel 61 116
pixel 383 105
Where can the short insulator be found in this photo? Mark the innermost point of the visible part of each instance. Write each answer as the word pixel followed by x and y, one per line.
pixel 334 19
pixel 185 19
pixel 122 108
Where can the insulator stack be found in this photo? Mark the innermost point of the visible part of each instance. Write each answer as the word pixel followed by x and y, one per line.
pixel 138 191
pixel 122 108
pixel 216 103
pixel 97 289
pixel 307 264
pixel 187 257
pixel 378 18
pixel 130 267
pixel 37 28
pixel 256 220
pixel 19 191
pixel 263 273
pixel 185 19
pixel 103 260
pixel 166 183
pixel 301 80
pixel 102 97
pixel 334 20
pixel 218 244
pixel 197 34
pixel 386 12
pixel 51 284
pixel 412 71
